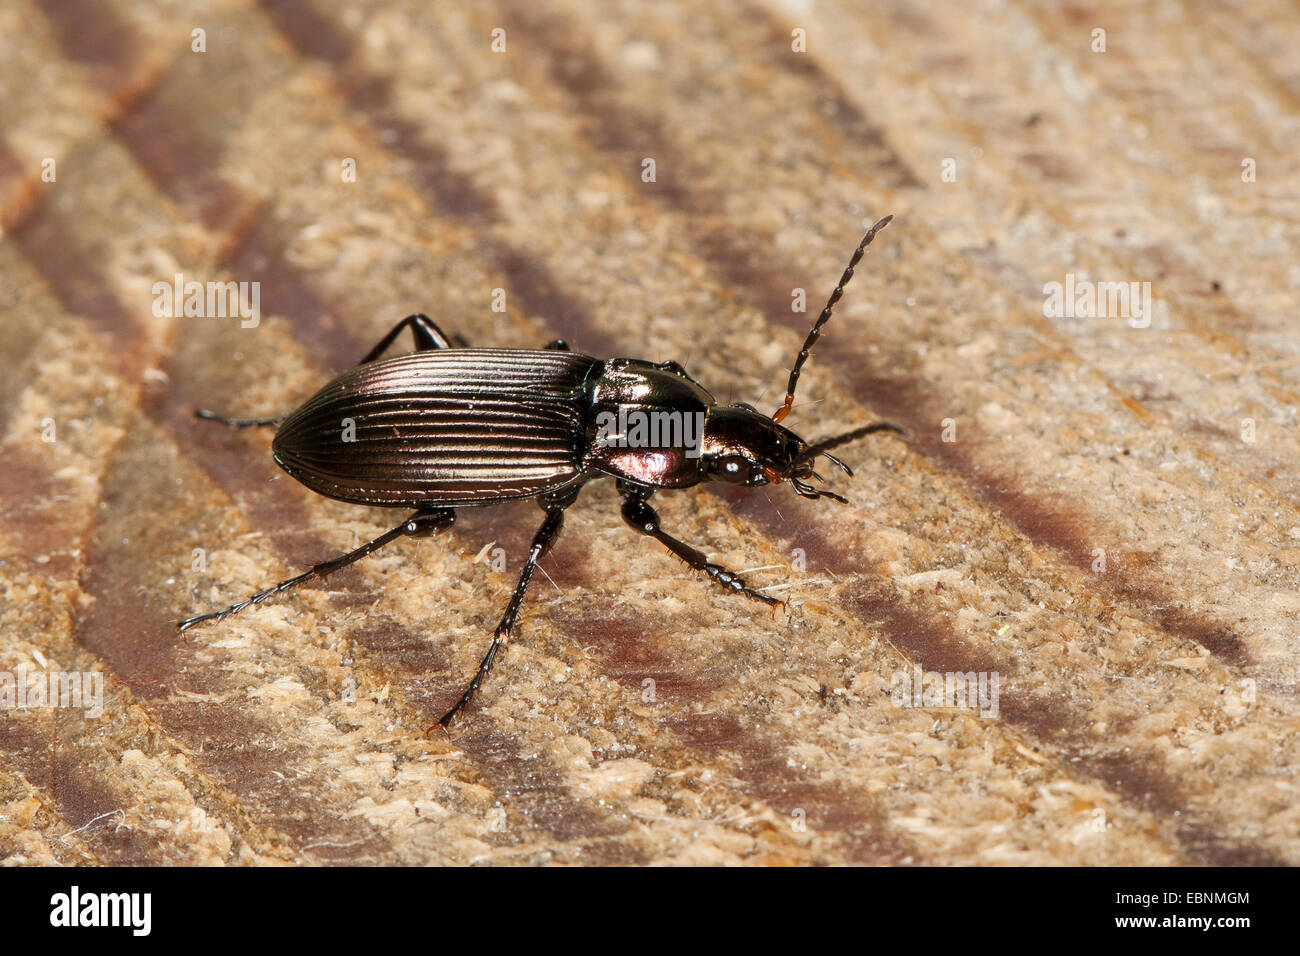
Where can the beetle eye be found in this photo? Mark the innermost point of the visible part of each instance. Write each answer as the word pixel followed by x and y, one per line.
pixel 734 469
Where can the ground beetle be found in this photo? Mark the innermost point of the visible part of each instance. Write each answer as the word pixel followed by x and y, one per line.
pixel 448 427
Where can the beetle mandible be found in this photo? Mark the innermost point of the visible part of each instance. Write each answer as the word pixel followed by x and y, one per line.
pixel 448 427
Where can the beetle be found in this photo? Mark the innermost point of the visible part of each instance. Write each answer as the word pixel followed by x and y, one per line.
pixel 447 427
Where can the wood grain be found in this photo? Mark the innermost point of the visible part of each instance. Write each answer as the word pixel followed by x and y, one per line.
pixel 1101 515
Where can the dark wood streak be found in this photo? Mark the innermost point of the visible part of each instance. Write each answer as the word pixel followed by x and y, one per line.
pixel 92 34
pixel 843 114
pixel 532 786
pixel 629 651
pixel 19 185
pixel 67 774
pixel 69 266
pixel 314 36
pixel 170 134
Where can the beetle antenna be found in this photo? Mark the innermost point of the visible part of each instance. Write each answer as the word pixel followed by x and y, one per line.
pixel 784 410
pixel 824 446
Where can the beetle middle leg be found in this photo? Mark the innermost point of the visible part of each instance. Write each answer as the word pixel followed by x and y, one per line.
pixel 545 537
pixel 638 513
pixel 420 525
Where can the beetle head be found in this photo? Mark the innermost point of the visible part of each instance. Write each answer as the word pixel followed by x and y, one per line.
pixel 742 446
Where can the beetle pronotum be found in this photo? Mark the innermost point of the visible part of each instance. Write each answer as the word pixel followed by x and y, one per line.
pixel 447 427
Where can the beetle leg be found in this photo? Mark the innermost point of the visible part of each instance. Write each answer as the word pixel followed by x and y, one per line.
pixel 677 368
pixel 546 535
pixel 419 525
pixel 427 335
pixel 236 422
pixel 638 513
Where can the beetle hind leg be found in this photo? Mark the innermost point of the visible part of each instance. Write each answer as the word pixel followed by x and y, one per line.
pixel 424 330
pixel 208 416
pixel 419 525
pixel 643 518
pixel 545 537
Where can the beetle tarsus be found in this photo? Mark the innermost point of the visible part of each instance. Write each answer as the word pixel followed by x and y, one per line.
pixel 419 525
pixel 638 513
pixel 208 416
pixel 484 668
pixel 542 541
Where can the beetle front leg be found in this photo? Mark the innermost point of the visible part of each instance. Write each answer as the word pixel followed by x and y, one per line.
pixel 638 513
pixel 419 525
pixel 546 535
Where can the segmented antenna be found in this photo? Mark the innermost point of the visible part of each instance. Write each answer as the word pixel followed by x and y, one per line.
pixel 824 446
pixel 808 343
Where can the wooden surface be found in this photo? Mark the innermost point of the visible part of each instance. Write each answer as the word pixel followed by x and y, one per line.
pixel 1148 710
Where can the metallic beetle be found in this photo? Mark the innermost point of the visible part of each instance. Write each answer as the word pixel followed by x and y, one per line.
pixel 447 427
